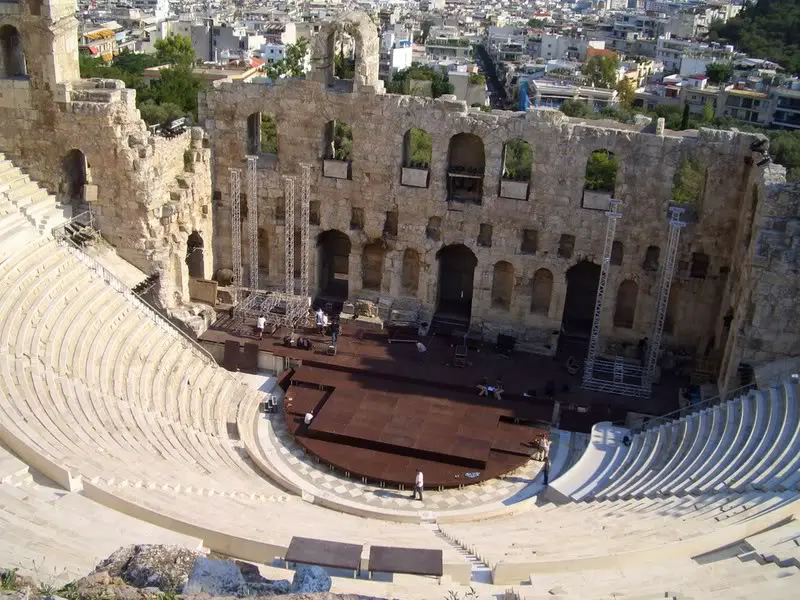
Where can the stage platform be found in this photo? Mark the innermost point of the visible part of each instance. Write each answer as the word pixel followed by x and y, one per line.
pixel 383 410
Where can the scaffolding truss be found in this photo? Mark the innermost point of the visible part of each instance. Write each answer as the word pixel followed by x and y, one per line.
pixel 288 248
pixel 236 230
pixel 612 375
pixel 279 309
pixel 252 217
pixel 668 271
pixel 305 204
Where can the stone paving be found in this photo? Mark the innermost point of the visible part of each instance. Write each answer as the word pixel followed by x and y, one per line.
pixel 517 485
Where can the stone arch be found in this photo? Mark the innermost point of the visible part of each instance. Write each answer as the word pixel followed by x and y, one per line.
pixel 334 263
pixel 601 172
pixel 263 251
pixel 617 253
pixel 625 308
pixel 75 175
pixel 12 57
pixel 466 163
pixel 360 27
pixel 409 280
pixel 456 277
pixel 542 291
pixel 372 266
pixel 195 259
pixel 502 285
pixel 417 148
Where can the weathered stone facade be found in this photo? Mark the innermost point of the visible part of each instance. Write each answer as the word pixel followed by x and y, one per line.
pixel 495 231
pixel 149 193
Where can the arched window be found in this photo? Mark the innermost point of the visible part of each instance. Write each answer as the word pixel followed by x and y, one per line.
pixel 372 266
pixel 689 182
pixel 617 253
pixel 517 163
pixel 699 268
pixel 262 134
pixel 410 276
pixel 12 58
pixel 502 285
pixel 651 257
pixel 356 61
pixel 542 291
pixel 625 310
pixel 417 149
pixel 338 141
pixel 601 172
pixel 466 162
pixel 194 256
pixel 673 305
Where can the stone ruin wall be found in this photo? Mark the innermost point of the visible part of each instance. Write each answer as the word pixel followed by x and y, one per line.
pixel 147 198
pixel 560 145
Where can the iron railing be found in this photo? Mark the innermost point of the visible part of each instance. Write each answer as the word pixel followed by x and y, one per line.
pixel 649 422
pixel 155 315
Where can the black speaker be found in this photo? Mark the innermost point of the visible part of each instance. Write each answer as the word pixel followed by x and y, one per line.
pixel 506 343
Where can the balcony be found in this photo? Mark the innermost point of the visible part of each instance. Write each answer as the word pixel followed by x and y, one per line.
pixel 465 186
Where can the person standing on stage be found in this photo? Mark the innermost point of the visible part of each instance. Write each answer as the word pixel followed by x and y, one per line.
pixel 319 315
pixel 419 482
pixel 261 324
pixel 335 329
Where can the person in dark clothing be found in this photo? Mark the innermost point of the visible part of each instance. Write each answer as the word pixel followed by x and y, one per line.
pixel 642 348
pixel 546 472
pixel 335 329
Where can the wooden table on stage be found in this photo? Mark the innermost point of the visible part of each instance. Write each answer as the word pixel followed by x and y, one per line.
pixel 324 553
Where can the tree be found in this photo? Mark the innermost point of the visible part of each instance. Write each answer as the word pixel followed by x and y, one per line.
pixel 601 71
pixel 293 63
pixel 401 82
pixel 269 135
pixel 179 86
pixel 576 108
pixel 708 111
pixel 685 117
pixel 719 72
pixel 626 92
pixel 689 182
pixel 535 23
pixel 517 160
pixel 175 50
pixel 601 172
pixel 420 148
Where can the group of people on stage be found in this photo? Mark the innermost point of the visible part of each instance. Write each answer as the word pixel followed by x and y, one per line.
pixel 323 322
pixel 495 389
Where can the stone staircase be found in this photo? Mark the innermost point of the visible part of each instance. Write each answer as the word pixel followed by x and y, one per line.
pixel 23 201
pixel 481 572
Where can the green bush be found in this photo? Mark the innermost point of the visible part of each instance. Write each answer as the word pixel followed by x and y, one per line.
pixel 689 182
pixel 601 172
pixel 269 135
pixel 342 141
pixel 419 149
pixel 476 79
pixel 517 160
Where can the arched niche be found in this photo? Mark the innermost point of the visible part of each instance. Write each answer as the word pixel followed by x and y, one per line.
pixel 263 251
pixel 334 263
pixel 625 308
pixel 517 164
pixel 502 285
pixel 582 282
pixel 456 277
pixel 75 176
pixel 409 280
pixel 195 258
pixel 372 266
pixel 466 163
pixel 617 253
pixel 417 149
pixel 673 306
pixel 542 292
pixel 358 26
pixel 651 258
pixel 12 57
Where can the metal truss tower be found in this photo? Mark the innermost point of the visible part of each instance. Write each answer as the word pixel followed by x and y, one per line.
pixel 305 203
pixel 252 217
pixel 288 247
pixel 236 231
pixel 611 229
pixel 675 226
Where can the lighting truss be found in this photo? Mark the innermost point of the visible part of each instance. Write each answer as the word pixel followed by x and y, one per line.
pixel 305 203
pixel 288 249
pixel 675 226
pixel 279 309
pixel 236 230
pixel 252 217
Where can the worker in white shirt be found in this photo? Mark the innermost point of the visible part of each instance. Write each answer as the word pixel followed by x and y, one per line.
pixel 418 483
pixel 308 418
pixel 261 324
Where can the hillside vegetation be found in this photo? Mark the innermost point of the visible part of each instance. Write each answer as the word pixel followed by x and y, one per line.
pixel 765 29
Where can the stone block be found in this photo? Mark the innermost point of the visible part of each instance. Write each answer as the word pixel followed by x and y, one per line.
pixel 415 177
pixel 596 200
pixel 518 190
pixel 337 169
pixel 90 193
pixel 214 577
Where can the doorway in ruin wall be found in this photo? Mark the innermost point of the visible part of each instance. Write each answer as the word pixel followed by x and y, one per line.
pixel 582 282
pixel 195 259
pixel 334 264
pixel 456 276
pixel 75 176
